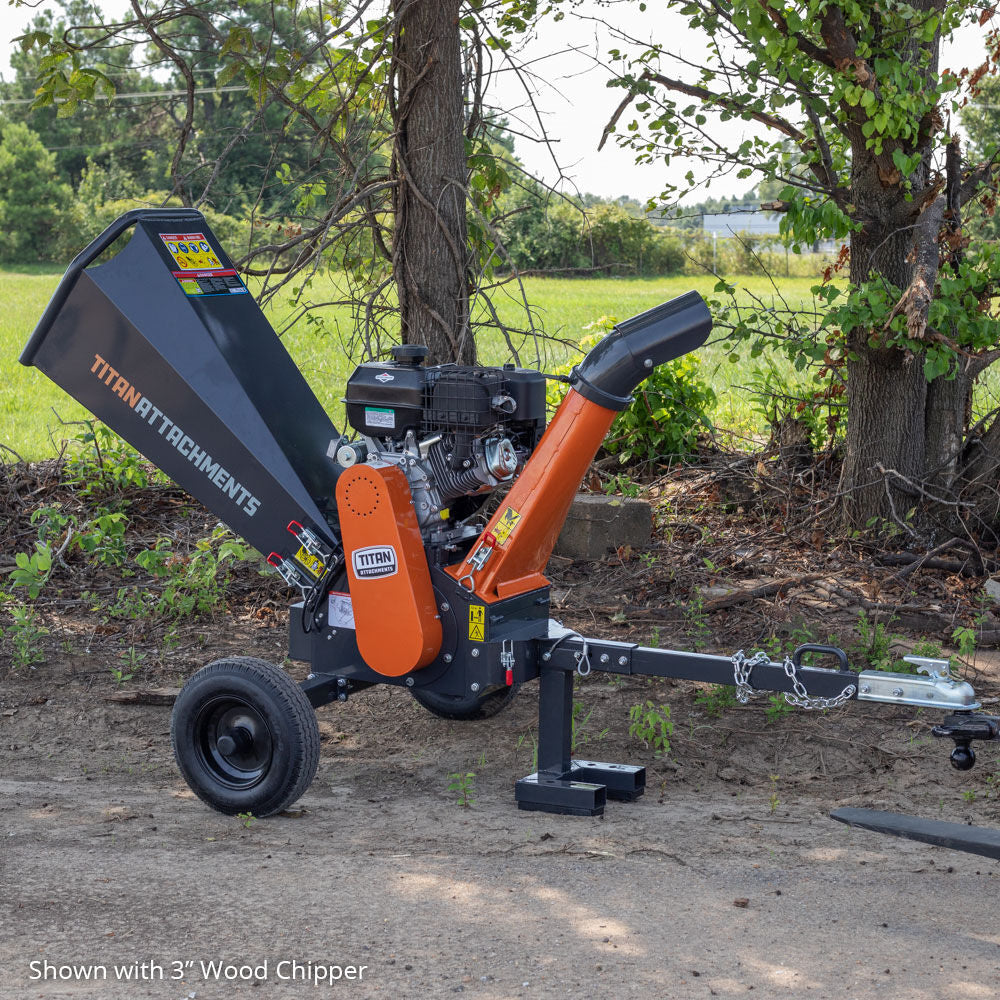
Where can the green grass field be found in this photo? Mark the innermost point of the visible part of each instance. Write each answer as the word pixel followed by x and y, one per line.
pixel 29 403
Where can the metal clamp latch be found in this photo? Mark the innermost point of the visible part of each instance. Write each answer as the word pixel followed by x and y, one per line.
pixel 290 573
pixel 936 690
pixel 507 661
pixel 310 541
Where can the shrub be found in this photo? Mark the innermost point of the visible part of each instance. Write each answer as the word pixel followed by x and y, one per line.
pixel 33 201
pixel 669 410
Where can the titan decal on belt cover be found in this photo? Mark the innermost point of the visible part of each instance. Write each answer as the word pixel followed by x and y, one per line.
pixel 143 407
pixel 374 562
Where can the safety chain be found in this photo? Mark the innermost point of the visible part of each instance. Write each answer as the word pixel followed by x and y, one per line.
pixel 742 667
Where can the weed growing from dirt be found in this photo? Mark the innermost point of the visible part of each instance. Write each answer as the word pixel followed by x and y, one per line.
pixel 714 700
pixel 578 721
pixel 876 641
pixel 651 724
pixel 777 708
pixel 774 801
pixel 131 662
pixel 698 629
pixel 464 784
pixel 23 636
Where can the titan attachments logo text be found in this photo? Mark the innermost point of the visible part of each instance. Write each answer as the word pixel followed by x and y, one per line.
pixel 374 562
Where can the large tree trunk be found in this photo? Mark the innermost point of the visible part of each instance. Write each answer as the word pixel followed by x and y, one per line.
pixel 886 388
pixel 429 239
pixel 903 434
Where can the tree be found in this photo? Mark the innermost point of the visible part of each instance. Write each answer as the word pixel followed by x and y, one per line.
pixel 130 134
pixel 857 91
pixel 32 199
pixel 400 187
pixel 429 253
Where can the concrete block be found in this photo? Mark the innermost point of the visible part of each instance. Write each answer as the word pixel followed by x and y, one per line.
pixel 597 524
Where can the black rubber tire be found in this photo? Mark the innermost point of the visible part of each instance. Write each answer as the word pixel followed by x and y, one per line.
pixel 269 713
pixel 473 708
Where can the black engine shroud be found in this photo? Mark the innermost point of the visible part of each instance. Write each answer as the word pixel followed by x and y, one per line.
pixel 388 399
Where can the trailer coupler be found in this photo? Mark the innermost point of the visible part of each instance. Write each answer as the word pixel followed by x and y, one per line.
pixel 562 784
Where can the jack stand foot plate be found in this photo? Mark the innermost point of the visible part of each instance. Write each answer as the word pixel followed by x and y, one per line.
pixel 582 790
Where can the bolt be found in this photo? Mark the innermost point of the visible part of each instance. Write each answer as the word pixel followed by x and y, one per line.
pixel 897 692
pixel 605 658
pixel 409 682
pixel 474 686
pixel 622 661
pixel 329 636
pixel 447 657
pixel 648 363
pixel 341 682
pixel 546 657
pixel 474 653
pixel 342 696
pixel 445 606
pixel 310 677
pixel 866 689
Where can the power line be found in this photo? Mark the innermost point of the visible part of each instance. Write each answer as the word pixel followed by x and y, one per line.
pixel 140 94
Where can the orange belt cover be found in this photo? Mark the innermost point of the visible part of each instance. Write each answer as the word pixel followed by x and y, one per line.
pixel 394 608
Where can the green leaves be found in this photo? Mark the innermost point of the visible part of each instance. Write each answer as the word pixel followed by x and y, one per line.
pixel 32 569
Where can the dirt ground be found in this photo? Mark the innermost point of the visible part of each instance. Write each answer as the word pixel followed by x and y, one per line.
pixel 727 878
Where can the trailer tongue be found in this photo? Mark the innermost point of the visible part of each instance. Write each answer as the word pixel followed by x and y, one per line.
pixel 406 577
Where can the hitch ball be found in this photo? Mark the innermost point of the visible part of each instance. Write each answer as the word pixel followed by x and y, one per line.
pixel 963 728
pixel 963 757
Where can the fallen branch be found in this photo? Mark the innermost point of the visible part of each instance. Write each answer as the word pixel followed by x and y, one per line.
pixel 764 590
pixel 145 696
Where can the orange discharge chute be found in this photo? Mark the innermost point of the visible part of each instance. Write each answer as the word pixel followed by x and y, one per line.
pixel 398 628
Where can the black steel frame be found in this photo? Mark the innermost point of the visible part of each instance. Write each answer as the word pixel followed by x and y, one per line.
pixel 566 785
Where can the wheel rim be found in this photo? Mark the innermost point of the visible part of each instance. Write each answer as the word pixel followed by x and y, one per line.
pixel 233 742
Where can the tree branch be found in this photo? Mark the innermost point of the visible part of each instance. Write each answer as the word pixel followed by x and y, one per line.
pixel 776 122
pixel 805 45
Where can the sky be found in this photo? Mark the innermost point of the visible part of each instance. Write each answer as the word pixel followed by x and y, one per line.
pixel 570 95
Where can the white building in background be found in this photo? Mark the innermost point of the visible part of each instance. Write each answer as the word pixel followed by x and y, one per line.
pixel 741 219
pixel 748 218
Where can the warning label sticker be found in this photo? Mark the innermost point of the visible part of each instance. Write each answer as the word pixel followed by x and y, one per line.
pixel 312 563
pixel 224 282
pixel 504 527
pixel 341 610
pixel 477 622
pixel 191 251
pixel 380 416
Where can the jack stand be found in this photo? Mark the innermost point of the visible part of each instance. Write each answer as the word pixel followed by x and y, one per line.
pixel 561 784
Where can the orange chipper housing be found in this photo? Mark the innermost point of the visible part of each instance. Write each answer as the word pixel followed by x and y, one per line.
pixel 398 627
pixel 510 555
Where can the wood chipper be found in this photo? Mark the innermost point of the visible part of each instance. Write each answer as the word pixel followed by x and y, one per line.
pixel 408 572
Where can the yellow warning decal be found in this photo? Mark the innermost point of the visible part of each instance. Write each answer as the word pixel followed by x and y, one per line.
pixel 312 563
pixel 507 523
pixel 477 622
pixel 191 251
